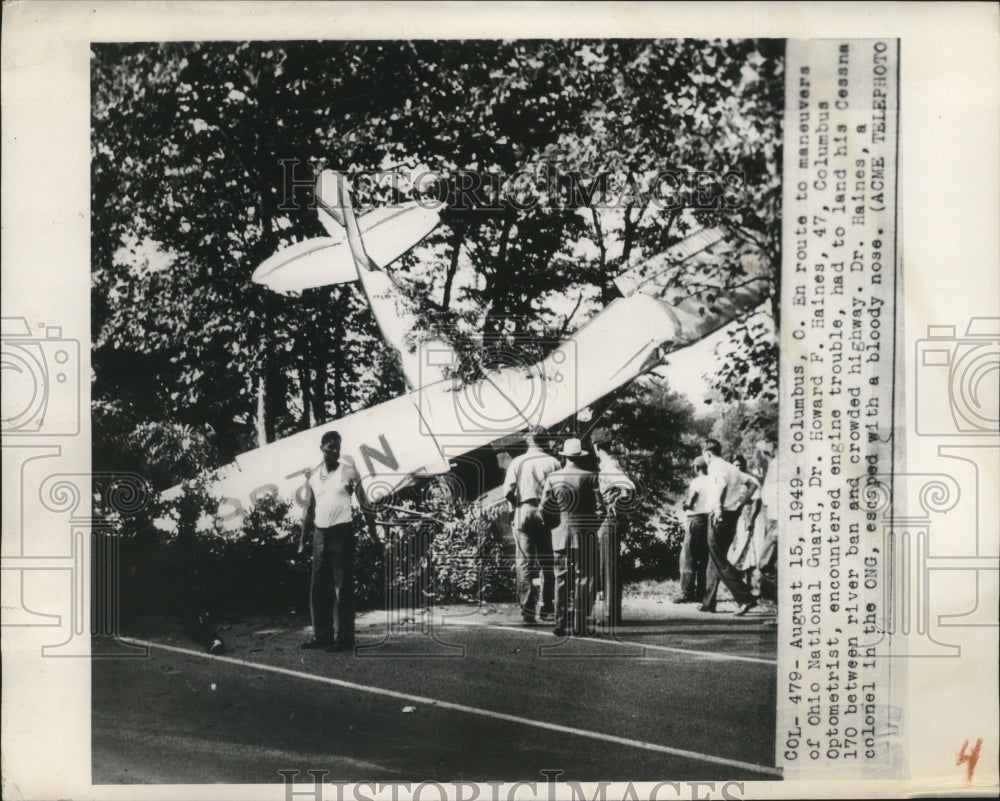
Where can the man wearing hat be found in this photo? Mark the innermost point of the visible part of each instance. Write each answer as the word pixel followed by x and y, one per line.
pixel 571 503
pixel 616 489
pixel 523 485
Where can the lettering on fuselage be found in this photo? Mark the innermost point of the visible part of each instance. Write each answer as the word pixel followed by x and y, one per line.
pixel 384 456
pixel 263 492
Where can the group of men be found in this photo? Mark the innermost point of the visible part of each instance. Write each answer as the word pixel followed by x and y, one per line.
pixel 717 496
pixel 565 520
pixel 566 531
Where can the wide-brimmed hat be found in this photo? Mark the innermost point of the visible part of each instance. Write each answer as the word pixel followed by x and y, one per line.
pixel 572 447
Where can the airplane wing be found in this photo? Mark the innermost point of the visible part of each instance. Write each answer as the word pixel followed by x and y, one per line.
pixel 413 435
pixel 664 277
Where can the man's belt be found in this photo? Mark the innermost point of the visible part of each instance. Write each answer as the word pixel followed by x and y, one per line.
pixel 532 501
pixel 346 524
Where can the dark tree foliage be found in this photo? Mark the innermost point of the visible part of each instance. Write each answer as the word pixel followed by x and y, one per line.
pixel 202 167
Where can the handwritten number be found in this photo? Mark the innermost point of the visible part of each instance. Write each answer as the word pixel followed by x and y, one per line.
pixel 969 758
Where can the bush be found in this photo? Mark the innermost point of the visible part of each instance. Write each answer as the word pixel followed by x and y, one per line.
pixel 651 549
pixel 463 554
pixel 173 559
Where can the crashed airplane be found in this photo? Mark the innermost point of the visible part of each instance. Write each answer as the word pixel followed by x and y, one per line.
pixel 439 418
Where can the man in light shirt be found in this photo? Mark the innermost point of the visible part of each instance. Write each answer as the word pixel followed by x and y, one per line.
pixel 768 558
pixel 731 487
pixel 616 488
pixel 694 551
pixel 523 486
pixel 329 519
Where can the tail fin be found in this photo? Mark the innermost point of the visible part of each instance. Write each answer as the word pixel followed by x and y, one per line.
pixel 334 200
pixel 370 242
pixel 328 199
pixel 390 232
pixel 378 237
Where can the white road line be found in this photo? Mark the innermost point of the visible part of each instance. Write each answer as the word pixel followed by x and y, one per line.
pixel 626 643
pixel 419 699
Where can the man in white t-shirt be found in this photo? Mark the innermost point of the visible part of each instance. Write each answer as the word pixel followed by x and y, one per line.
pixel 694 550
pixel 329 519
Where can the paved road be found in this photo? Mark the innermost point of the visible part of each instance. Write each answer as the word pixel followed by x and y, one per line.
pixel 684 698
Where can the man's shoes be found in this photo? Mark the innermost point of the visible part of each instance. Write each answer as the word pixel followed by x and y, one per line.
pixel 559 631
pixel 217 647
pixel 337 647
pixel 683 599
pixel 744 608
pixel 704 608
pixel 315 645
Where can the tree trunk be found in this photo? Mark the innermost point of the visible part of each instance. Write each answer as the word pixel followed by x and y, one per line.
pixel 305 376
pixel 336 362
pixel 496 280
pixel 319 351
pixel 599 231
pixel 629 236
pixel 456 249
pixel 274 395
pixel 259 420
pixel 273 369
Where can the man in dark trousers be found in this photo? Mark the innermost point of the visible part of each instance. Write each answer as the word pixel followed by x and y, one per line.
pixel 571 503
pixel 694 551
pixel 617 489
pixel 533 541
pixel 730 489
pixel 329 519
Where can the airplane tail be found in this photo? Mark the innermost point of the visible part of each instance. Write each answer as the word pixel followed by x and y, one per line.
pixel 371 241
pixel 329 198
pixel 307 264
